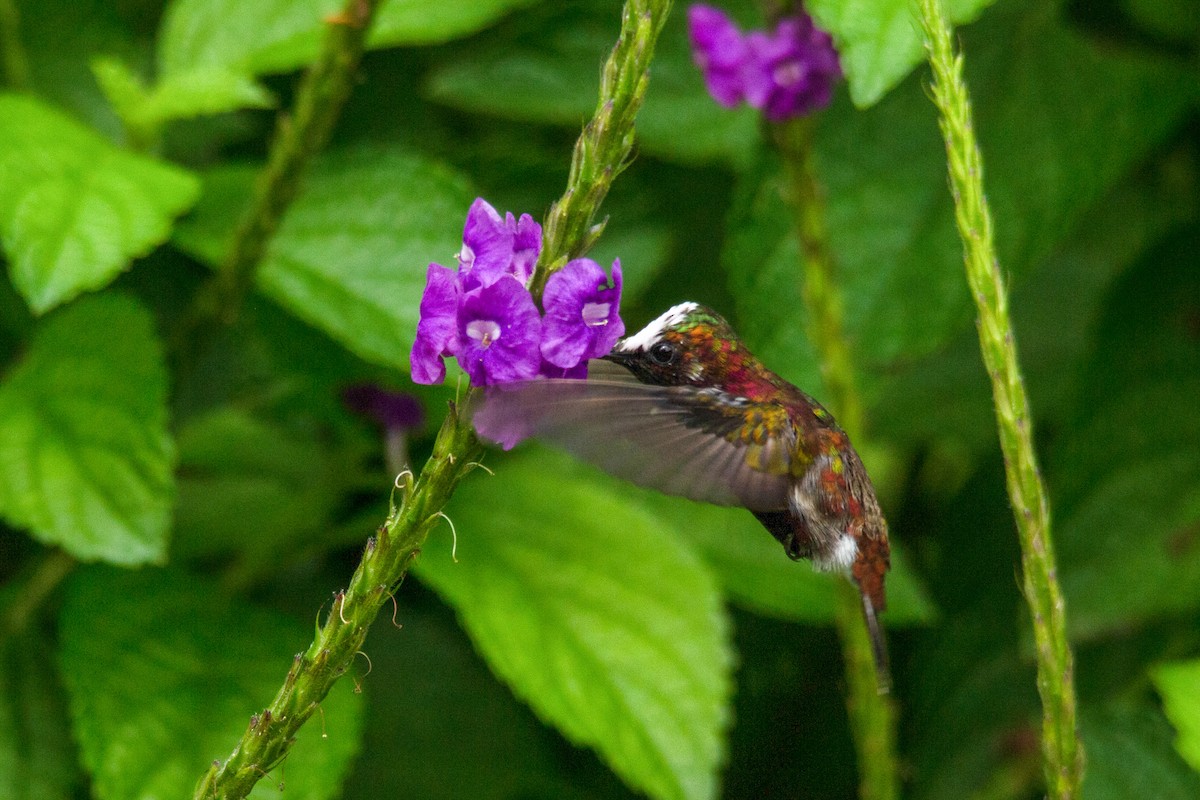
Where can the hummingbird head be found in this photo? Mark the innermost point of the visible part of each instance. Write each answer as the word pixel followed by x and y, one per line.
pixel 688 345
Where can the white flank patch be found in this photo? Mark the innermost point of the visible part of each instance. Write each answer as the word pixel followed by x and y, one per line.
pixel 842 557
pixel 654 331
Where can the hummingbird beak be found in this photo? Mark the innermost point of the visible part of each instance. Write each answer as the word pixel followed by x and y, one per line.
pixel 616 357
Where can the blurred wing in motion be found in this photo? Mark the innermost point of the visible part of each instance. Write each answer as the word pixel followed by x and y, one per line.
pixel 675 439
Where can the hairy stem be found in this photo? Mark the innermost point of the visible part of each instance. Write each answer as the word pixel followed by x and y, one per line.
pixel 385 561
pixel 30 591
pixel 603 148
pixel 13 61
pixel 1062 752
pixel 388 556
pixel 298 137
pixel 872 716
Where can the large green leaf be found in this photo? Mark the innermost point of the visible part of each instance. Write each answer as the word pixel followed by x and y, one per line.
pixel 879 41
pixel 597 617
pixel 61 38
pixel 450 714
pixel 890 217
pixel 352 252
pixel 74 210
pixel 1179 685
pixel 252 486
pixel 163 673
pixel 1129 757
pixel 1126 482
pixel 280 35
pixel 181 95
pixel 37 760
pixel 85 460
pixel 755 571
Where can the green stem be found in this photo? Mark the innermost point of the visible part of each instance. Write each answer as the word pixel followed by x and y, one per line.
pixel 29 593
pixel 298 138
pixel 1062 752
pixel 602 151
pixel 387 558
pixel 872 715
pixel 384 563
pixel 13 62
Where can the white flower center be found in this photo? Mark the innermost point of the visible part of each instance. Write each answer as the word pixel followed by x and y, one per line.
pixel 595 314
pixel 466 256
pixel 789 73
pixel 483 331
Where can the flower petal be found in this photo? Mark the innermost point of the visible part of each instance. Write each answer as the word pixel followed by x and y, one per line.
pixel 720 51
pixel 487 246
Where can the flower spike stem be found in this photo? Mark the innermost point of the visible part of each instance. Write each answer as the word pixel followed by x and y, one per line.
pixel 872 715
pixel 386 558
pixel 12 62
pixel 603 148
pixel 298 137
pixel 385 561
pixel 1062 752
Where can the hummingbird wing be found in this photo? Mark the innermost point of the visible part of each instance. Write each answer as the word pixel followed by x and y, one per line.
pixel 678 440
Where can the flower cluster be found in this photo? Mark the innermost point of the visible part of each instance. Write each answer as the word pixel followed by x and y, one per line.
pixel 483 314
pixel 787 72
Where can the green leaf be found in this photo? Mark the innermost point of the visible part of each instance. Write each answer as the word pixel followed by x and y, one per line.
pixel 598 618
pixel 757 574
pixel 1179 685
pixel 548 62
pixel 879 41
pixel 251 485
pixel 163 674
pixel 1127 481
pixel 281 35
pixel 61 38
pixel 181 95
pixel 352 252
pixel 37 758
pixel 890 217
pixel 1129 757
pixel 424 708
pixel 74 210
pixel 85 461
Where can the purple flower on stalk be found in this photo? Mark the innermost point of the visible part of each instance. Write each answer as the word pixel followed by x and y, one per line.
pixel 498 333
pixel 582 319
pixel 795 69
pixel 437 331
pixel 786 72
pixel 390 409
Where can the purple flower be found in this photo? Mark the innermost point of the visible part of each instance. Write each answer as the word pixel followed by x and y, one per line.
pixel 786 72
pixel 484 315
pixel 582 319
pixel 720 51
pixel 391 409
pixel 795 69
pixel 498 333
pixel 437 331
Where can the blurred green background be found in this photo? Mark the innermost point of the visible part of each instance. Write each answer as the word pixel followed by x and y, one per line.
pixel 211 491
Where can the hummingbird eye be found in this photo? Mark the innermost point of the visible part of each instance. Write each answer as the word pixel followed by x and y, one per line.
pixel 663 353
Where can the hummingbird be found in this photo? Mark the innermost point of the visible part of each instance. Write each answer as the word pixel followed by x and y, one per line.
pixel 683 407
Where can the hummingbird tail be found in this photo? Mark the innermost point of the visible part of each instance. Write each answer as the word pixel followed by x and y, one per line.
pixel 878 645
